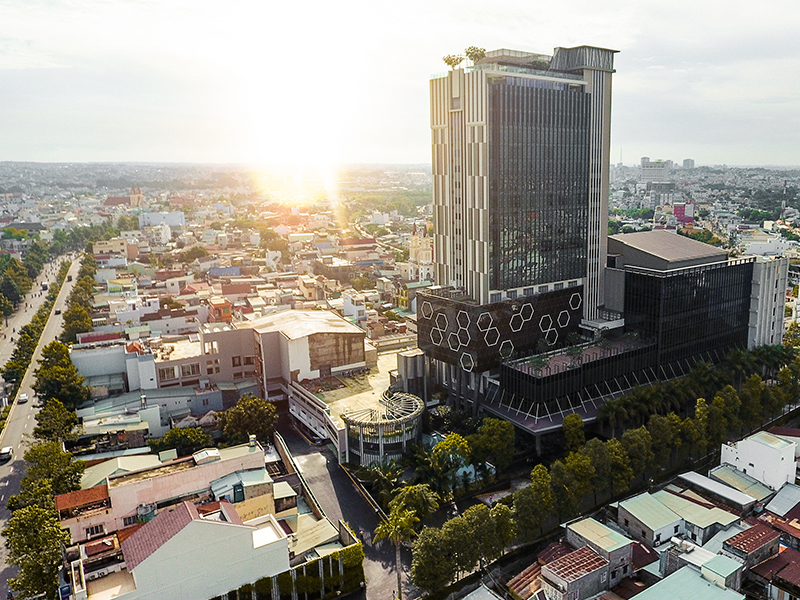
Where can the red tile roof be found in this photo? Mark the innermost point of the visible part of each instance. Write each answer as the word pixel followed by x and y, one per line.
pixel 773 565
pixel 752 539
pixel 81 497
pixel 154 534
pixel 642 555
pixel 577 564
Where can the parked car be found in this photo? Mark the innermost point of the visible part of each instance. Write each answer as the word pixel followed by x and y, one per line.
pixel 58 311
pixel 23 398
pixel 6 453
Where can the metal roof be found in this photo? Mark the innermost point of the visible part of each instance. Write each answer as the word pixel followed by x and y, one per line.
pixel 741 481
pixel 723 566
pixel 687 584
pixel 652 513
pixel 694 513
pixel 599 535
pixel 717 488
pixel 670 246
pixel 785 500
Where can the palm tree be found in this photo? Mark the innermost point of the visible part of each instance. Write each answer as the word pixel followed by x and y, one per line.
pixel 383 478
pixel 419 498
pixel 398 527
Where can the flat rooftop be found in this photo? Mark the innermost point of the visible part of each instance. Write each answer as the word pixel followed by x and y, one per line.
pixel 599 535
pixel 297 324
pixel 357 392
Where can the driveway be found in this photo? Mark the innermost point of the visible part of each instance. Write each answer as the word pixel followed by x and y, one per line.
pixel 340 499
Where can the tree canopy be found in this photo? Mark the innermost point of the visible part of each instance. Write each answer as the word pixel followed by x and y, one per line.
pixel 186 440
pixel 251 416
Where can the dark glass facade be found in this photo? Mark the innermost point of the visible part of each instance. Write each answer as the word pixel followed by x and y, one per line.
pixel 539 181
pixel 690 311
pixel 480 337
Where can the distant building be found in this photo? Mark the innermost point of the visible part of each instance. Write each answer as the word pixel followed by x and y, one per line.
pixel 657 170
pixel 688 163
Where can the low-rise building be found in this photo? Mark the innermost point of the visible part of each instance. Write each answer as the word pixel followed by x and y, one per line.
pixel 767 458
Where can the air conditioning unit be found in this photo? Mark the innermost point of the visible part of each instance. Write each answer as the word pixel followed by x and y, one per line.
pixel 96 574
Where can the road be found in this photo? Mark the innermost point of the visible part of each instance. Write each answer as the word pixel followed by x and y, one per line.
pixel 340 499
pixel 20 421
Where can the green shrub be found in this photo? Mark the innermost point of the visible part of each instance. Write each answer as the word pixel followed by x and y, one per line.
pixel 264 588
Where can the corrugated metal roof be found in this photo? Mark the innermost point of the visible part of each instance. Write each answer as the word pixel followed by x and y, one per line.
pixel 741 481
pixel 722 565
pixel 694 513
pixel 769 440
pixel 599 535
pixel 717 488
pixel 687 584
pixel 650 512
pixel 785 500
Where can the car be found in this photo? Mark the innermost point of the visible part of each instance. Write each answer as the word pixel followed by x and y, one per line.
pixel 58 311
pixel 23 398
pixel 6 453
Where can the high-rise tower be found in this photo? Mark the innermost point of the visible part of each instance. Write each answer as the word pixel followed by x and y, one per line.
pixel 520 174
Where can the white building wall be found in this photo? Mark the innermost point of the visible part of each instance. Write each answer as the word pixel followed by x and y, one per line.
pixel 767 298
pixel 185 567
pixel 763 456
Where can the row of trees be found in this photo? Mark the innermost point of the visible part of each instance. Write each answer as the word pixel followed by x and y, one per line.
pixel 705 381
pixel 77 318
pixel 28 336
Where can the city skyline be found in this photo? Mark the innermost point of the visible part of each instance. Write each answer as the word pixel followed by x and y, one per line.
pixel 321 84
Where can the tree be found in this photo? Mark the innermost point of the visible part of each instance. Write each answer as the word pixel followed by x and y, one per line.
pixel 504 527
pixel 57 378
pixel 54 423
pixel 493 443
pixel 432 566
pixel 573 431
pixel 33 539
pixel 701 425
pixel 717 423
pixel 482 532
pixel 597 452
pixel 533 504
pixel 398 527
pixel 465 551
pixel 76 320
pixel 639 446
pixel 420 498
pixel 452 60
pixel 453 452
pixel 34 493
pixel 752 409
pixel 621 471
pixel 664 436
pixel 475 54
pixel 6 308
pixel 361 283
pixel 186 440
pixel 792 336
pixel 251 416
pixel 383 478
pixel 733 407
pixel 46 460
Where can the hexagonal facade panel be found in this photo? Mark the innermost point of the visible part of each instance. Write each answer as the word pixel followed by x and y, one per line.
pixel 426 309
pixel 485 321
pixel 464 337
pixel 437 337
pixel 441 321
pixel 563 319
pixel 545 323
pixel 551 336
pixel 516 322
pixel 453 341
pixel 492 336
pixel 575 301
pixel 506 348
pixel 467 362
pixel 462 319
pixel 526 311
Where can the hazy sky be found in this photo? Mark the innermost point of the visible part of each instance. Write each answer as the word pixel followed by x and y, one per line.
pixel 341 82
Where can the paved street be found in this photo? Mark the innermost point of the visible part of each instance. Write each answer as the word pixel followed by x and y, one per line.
pixel 340 499
pixel 21 422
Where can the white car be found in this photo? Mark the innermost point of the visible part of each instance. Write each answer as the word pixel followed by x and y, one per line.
pixel 23 398
pixel 6 453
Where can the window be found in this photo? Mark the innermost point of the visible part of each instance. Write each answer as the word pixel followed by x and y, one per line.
pixel 189 370
pixel 166 373
pixel 237 375
pixel 542 289
pixel 249 360
pixel 603 577
pixel 216 369
pixel 626 522
pixel 237 361
pixel 528 291
pixel 128 521
pixel 495 298
pixel 94 530
pixel 205 401
pixel 558 286
pixel 625 570
pixel 676 528
pixel 511 294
